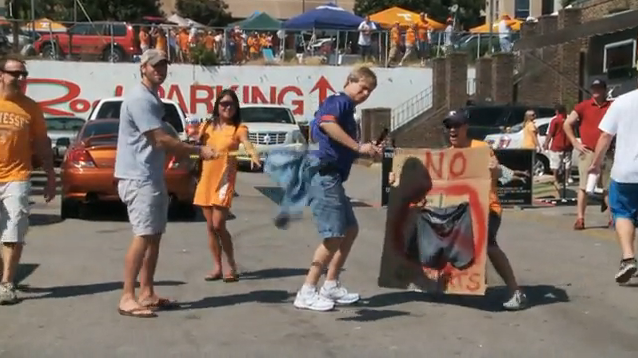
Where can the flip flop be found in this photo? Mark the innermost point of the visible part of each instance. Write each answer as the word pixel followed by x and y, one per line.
pixel 132 313
pixel 162 304
pixel 233 277
pixel 213 278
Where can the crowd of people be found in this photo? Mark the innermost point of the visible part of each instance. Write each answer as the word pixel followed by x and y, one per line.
pixel 139 169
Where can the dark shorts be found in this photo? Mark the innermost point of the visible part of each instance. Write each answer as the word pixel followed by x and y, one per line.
pixel 623 201
pixel 493 224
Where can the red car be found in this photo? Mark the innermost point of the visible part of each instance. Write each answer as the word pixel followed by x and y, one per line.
pixel 92 39
pixel 88 166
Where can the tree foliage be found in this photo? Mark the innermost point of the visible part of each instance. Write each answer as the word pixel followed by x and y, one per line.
pixel 469 13
pixel 208 12
pixel 93 10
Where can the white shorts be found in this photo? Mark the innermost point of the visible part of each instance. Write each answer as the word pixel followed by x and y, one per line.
pixel 558 158
pixel 14 211
pixel 147 206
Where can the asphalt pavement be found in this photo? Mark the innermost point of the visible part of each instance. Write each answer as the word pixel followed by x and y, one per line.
pixel 72 270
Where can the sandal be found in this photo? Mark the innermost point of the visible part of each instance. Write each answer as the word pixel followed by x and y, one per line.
pixel 135 312
pixel 231 277
pixel 216 277
pixel 162 304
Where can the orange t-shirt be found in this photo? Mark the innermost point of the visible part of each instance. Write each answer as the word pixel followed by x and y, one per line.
pixel 21 123
pixel 495 205
pixel 410 37
pixel 144 38
pixel 182 40
pixel 395 36
pixel 423 31
pixel 209 42
pixel 160 43
pixel 254 44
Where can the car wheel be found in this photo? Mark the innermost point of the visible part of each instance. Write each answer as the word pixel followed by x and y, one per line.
pixel 113 54
pixel 541 166
pixel 48 52
pixel 69 209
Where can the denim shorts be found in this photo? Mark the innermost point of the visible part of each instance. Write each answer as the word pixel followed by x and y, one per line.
pixel 623 201
pixel 331 208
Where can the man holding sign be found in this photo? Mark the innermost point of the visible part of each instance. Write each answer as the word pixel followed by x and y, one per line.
pixel 456 125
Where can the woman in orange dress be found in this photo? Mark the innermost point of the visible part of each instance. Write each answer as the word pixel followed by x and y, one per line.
pixel 215 189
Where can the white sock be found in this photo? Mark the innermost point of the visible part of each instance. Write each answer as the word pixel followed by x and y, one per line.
pixel 308 289
pixel 330 284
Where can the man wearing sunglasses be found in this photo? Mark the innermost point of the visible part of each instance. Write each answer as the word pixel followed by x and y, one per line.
pixel 456 125
pixel 22 131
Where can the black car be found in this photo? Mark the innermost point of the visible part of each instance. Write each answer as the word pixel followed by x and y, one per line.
pixel 487 119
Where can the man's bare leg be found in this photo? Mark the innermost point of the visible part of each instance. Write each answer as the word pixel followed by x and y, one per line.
pixel 11 253
pixel 503 267
pixel 340 257
pixel 625 229
pixel 147 272
pixel 132 265
pixel 323 255
pixel 581 205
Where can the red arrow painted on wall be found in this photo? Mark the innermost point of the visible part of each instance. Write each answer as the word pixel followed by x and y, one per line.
pixel 322 86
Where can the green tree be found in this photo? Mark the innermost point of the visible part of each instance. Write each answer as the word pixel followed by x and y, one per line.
pixel 206 12
pixel 93 10
pixel 468 15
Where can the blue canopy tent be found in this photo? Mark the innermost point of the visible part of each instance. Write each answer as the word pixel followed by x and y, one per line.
pixel 326 17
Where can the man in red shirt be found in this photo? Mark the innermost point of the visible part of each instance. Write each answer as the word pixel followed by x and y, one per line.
pixel 588 114
pixel 560 149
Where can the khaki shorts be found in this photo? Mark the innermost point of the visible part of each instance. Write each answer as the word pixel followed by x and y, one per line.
pixel 584 161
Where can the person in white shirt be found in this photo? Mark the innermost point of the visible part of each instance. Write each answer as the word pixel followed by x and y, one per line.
pixel 449 31
pixel 365 39
pixel 620 122
pixel 504 31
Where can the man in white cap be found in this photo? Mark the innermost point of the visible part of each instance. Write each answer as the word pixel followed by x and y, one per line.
pixel 139 169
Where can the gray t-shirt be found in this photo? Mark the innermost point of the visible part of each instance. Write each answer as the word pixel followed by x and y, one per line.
pixel 142 111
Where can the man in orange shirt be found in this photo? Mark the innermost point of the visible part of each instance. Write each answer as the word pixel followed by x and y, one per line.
pixel 209 41
pixel 254 45
pixel 456 125
pixel 145 39
pixel 410 43
pixel 395 42
pixel 424 37
pixel 22 131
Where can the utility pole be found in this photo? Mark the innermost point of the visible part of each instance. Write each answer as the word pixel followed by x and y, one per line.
pixel 75 11
pixel 491 24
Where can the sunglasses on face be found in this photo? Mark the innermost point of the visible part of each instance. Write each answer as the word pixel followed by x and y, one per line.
pixel 226 104
pixel 16 74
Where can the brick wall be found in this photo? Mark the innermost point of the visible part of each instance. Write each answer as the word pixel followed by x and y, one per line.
pixel 595 9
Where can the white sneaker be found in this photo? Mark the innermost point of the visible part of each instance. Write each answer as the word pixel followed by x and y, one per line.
pixel 517 302
pixel 339 295
pixel 312 300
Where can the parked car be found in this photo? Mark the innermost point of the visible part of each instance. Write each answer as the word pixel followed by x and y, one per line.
pixel 270 127
pixel 108 41
pixel 88 167
pixel 513 139
pixel 173 113
pixel 61 132
pixel 487 118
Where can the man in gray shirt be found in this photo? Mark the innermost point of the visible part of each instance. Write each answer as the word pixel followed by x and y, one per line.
pixel 139 168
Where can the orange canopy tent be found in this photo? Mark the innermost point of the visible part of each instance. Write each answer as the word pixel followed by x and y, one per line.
pixel 485 28
pixel 44 25
pixel 389 17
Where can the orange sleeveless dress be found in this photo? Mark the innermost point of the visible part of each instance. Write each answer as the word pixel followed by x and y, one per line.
pixel 216 185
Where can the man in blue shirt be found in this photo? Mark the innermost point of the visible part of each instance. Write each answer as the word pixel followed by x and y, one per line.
pixel 335 131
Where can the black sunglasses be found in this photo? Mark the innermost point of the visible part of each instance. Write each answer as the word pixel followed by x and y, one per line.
pixel 227 104
pixel 16 74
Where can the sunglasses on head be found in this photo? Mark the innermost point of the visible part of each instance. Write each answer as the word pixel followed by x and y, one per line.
pixel 17 74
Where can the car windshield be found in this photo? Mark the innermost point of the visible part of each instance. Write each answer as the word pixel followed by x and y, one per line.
pixel 111 109
pixel 266 115
pixel 71 124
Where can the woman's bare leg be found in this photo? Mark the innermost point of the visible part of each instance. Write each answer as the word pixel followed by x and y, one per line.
pixel 219 215
pixel 213 242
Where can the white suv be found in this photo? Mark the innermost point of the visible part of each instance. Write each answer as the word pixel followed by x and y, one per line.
pixel 270 127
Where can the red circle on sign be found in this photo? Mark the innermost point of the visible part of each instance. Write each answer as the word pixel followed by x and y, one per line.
pixel 478 217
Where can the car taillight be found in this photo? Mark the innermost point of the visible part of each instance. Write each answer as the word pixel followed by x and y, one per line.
pixel 81 159
pixel 174 163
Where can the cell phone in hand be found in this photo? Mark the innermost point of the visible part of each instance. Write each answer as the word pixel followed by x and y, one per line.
pixel 382 136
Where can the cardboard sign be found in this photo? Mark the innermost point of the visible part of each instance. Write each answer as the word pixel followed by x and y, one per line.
pixel 449 177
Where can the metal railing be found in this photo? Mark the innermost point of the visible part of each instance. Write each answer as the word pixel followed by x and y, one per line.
pixel 123 42
pixel 411 108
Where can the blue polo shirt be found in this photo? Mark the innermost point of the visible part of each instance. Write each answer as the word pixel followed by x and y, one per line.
pixel 339 108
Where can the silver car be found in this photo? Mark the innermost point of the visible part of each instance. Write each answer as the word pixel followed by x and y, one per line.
pixel 62 131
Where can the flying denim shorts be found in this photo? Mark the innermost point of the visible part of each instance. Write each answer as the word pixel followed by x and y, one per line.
pixel 331 208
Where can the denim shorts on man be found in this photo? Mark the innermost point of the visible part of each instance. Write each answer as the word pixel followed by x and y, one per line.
pixel 14 211
pixel 331 208
pixel 623 201
pixel 147 205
